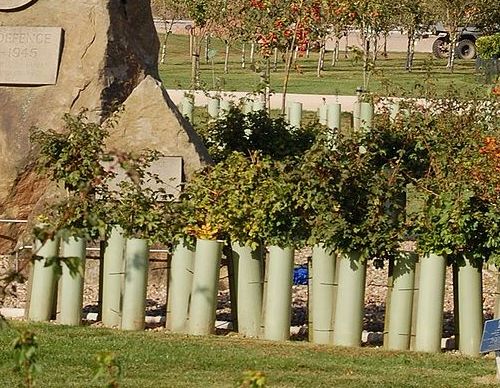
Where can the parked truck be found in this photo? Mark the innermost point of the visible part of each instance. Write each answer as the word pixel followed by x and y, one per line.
pixel 466 42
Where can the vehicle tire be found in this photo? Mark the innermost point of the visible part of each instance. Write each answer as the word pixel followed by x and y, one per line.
pixel 466 49
pixel 440 48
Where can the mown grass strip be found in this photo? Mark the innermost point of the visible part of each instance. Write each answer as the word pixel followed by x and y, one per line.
pixel 389 76
pixel 160 359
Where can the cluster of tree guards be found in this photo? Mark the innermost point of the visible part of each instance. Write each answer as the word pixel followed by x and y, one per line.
pixel 415 190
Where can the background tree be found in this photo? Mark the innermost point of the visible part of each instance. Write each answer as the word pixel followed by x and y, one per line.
pixel 168 12
pixel 454 14
pixel 283 25
pixel 371 18
pixel 413 17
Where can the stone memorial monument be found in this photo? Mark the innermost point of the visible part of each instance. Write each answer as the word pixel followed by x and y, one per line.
pixel 60 57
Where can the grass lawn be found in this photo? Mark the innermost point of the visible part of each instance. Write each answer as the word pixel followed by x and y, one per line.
pixel 159 359
pixel 389 77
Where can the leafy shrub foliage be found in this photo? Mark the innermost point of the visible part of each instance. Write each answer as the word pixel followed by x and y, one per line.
pixel 255 131
pixel 488 46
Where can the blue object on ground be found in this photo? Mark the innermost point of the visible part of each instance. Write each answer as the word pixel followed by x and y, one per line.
pixel 300 275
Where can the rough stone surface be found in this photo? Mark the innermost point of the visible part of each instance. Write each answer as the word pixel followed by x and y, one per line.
pixel 148 119
pixel 108 49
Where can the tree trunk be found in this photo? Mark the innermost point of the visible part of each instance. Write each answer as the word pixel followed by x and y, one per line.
pixel 243 55
pixel 410 50
pixel 275 60
pixel 366 59
pixel 335 52
pixel 321 58
pixel 207 48
pixel 226 59
pixel 346 51
pixel 194 59
pixel 385 44
pixel 375 48
pixel 252 52
pixel 451 54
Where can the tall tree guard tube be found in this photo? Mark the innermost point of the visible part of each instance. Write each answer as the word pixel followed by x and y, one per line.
pixel 349 307
pixel 356 116
pixel 401 306
pixel 366 116
pixel 71 284
pixel 188 107
pixel 278 303
pixel 258 105
pixel 135 285
pixel 180 284
pixel 113 274
pixel 323 114
pixel 429 320
pixel 224 107
pixel 43 283
pixel 249 275
pixel 470 302
pixel 295 114
pixel 213 107
pixel 334 114
pixel 323 286
pixel 205 286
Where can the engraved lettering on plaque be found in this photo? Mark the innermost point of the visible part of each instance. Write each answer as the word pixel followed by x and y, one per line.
pixel 29 55
pixel 6 5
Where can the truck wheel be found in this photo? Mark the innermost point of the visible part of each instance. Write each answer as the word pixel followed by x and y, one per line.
pixel 466 49
pixel 440 48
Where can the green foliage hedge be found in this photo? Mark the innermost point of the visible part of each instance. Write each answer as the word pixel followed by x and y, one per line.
pixel 488 47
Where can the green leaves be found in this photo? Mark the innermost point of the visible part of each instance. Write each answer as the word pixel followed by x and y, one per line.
pixel 488 46
pixel 108 370
pixel 25 348
pixel 78 160
pixel 255 131
pixel 249 200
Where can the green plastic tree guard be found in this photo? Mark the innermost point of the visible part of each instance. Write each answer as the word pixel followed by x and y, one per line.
pixel 213 107
pixel 279 294
pixel 334 113
pixel 180 284
pixel 401 303
pixel 394 110
pixel 356 116
pixel 323 114
pixel 187 108
pixel 258 105
pixel 349 306
pixel 43 283
pixel 429 321
pixel 295 114
pixel 224 107
pixel 247 106
pixel 249 275
pixel 71 285
pixel 135 284
pixel 470 302
pixel 113 274
pixel 323 266
pixel 205 286
pixel 366 116
pixel 497 297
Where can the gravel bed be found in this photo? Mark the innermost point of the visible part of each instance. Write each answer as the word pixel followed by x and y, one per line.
pixel 375 295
